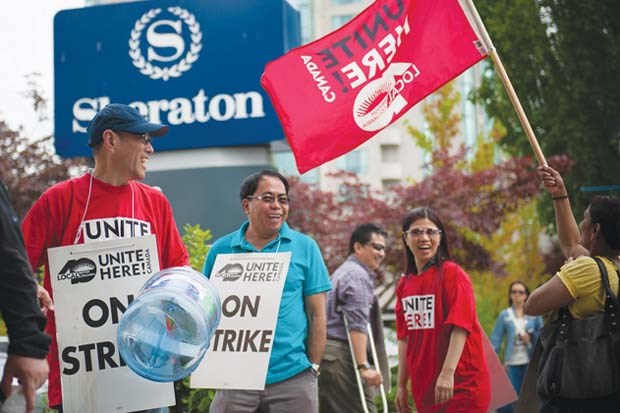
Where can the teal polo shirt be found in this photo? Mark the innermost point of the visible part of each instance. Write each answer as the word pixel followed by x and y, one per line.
pixel 307 275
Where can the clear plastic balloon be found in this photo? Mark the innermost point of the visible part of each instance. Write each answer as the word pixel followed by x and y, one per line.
pixel 166 330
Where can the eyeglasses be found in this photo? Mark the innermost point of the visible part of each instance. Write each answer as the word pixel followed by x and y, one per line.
pixel 270 199
pixel 520 292
pixel 418 232
pixel 376 246
pixel 145 137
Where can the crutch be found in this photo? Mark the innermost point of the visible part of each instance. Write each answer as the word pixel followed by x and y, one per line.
pixel 358 377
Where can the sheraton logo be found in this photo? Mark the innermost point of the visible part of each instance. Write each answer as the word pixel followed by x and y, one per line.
pixel 171 40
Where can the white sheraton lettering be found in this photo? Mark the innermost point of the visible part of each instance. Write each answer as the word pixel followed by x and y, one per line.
pixel 180 110
pixel 319 79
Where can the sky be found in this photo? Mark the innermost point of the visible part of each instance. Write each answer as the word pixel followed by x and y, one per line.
pixel 27 46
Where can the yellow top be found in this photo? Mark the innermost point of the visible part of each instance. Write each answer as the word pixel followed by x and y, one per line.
pixel 582 279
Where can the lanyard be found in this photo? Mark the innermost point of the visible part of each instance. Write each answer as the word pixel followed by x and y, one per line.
pixel 90 191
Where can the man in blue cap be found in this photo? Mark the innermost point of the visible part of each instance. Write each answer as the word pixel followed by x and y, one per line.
pixel 82 210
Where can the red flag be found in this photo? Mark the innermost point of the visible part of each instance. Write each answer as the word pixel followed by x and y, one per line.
pixel 337 92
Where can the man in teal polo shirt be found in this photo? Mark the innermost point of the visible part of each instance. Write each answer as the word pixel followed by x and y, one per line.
pixel 299 341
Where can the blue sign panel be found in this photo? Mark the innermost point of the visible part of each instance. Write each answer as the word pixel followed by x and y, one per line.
pixel 194 65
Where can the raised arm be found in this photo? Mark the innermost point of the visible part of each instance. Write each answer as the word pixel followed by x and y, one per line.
pixel 568 230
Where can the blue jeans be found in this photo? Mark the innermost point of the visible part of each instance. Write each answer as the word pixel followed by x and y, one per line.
pixel 515 374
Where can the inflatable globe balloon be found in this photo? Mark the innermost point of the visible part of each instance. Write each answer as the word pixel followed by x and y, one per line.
pixel 166 330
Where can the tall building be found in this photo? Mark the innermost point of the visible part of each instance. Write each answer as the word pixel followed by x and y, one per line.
pixel 391 157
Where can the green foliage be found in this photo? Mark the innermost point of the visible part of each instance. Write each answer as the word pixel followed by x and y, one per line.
pixel 442 121
pixel 562 58
pixel 391 396
pixel 196 241
pixel 189 400
pixel 515 247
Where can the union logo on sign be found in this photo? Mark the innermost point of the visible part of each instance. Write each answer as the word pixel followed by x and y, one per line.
pixel 165 35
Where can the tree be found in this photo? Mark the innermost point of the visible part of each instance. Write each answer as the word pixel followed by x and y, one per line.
pixel 330 217
pixel 562 59
pixel 28 167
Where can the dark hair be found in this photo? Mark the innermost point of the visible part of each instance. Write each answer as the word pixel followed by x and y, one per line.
pixel 443 252
pixel 527 290
pixel 250 183
pixel 605 211
pixel 363 234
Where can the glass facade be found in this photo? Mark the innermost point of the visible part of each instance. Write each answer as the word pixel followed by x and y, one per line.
pixel 355 161
pixel 340 19
pixel 284 162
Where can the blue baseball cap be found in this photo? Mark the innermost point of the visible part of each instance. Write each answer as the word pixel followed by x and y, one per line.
pixel 121 118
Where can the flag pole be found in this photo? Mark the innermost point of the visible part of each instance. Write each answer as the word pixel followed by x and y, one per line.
pixel 512 95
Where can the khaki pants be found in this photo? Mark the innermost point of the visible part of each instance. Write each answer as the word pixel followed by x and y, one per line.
pixel 338 390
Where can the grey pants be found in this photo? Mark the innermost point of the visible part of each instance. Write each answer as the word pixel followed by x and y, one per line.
pixel 156 410
pixel 338 390
pixel 298 394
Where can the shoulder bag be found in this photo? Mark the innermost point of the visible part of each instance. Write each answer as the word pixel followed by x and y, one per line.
pixel 580 358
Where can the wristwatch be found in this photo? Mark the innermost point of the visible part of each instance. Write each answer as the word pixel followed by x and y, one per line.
pixel 316 367
pixel 363 366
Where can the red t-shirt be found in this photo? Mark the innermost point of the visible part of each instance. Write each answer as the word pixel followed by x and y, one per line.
pixel 53 221
pixel 427 306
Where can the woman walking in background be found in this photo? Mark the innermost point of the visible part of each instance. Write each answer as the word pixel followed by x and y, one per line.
pixel 520 331
pixel 439 336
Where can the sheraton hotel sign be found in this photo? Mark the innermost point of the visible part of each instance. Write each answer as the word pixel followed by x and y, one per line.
pixel 194 65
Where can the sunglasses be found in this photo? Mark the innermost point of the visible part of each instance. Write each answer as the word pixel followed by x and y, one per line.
pixel 146 138
pixel 377 246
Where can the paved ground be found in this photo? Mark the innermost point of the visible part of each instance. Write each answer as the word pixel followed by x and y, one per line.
pixel 41 393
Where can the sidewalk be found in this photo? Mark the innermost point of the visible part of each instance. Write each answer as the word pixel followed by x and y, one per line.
pixel 41 393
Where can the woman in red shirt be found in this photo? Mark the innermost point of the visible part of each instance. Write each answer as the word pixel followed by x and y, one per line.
pixel 439 336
